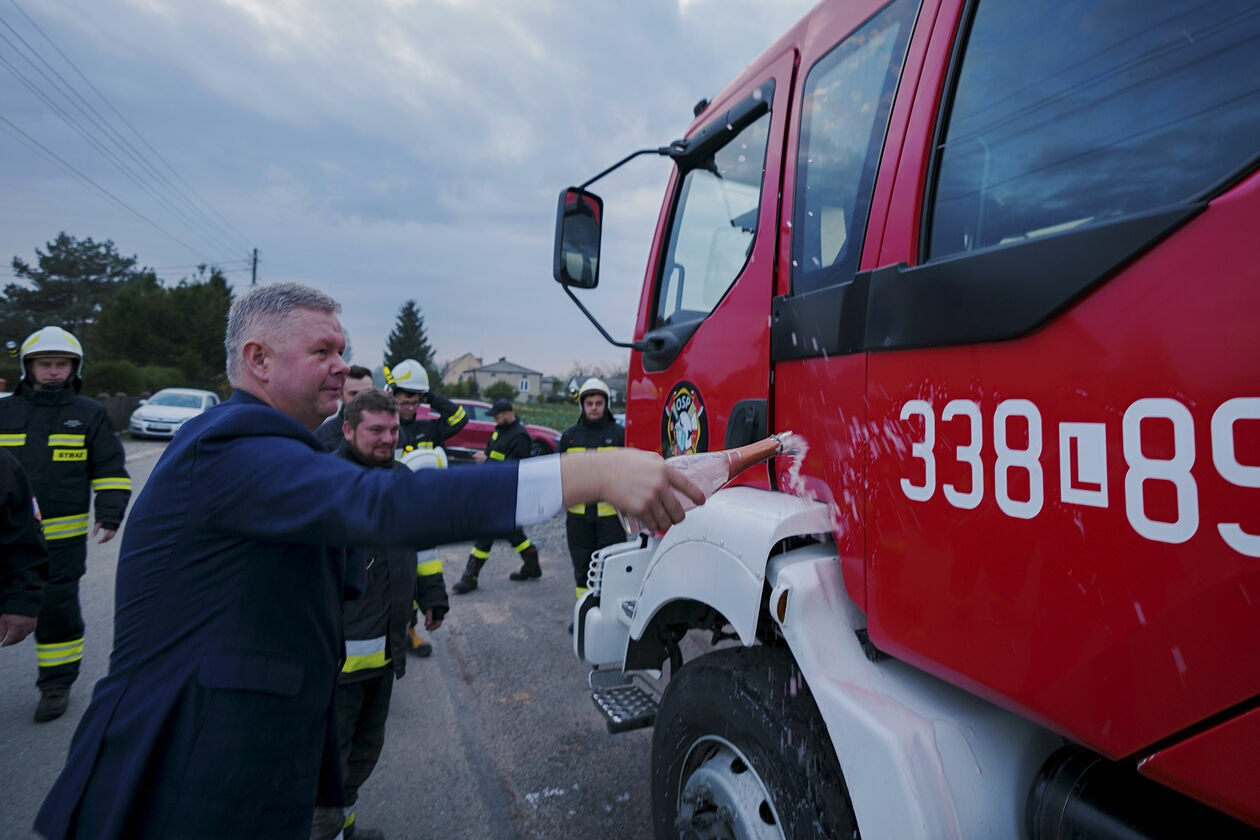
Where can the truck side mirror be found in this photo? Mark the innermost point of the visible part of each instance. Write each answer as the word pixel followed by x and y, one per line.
pixel 578 218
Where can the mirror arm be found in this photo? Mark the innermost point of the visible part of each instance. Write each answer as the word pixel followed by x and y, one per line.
pixel 633 345
pixel 672 150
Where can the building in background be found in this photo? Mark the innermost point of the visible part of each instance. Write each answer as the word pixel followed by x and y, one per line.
pixel 459 368
pixel 528 383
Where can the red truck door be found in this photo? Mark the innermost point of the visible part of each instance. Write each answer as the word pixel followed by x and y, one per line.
pixel 705 382
pixel 1064 512
pixel 853 61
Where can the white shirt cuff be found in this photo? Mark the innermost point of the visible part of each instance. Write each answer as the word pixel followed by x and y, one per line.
pixel 539 491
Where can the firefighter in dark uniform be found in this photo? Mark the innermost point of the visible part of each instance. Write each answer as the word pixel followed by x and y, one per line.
pixel 375 624
pixel 591 527
pixel 23 555
pixel 509 442
pixel 68 447
pixel 409 383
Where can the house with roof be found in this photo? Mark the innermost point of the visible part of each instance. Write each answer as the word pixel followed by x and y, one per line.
pixel 528 383
pixel 459 368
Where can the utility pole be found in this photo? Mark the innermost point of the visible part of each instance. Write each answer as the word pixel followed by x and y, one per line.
pixel 253 271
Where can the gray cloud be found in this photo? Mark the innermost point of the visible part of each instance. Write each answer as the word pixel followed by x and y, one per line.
pixel 390 150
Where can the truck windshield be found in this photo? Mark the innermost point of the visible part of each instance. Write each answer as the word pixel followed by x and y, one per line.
pixel 715 224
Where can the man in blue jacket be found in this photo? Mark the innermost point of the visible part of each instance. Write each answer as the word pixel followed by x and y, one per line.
pixel 216 718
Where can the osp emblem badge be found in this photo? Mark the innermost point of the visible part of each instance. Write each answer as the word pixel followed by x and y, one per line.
pixel 684 426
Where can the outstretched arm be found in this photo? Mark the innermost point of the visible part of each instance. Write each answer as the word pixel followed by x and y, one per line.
pixel 636 482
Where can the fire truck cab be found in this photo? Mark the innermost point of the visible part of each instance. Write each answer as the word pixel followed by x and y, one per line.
pixel 991 259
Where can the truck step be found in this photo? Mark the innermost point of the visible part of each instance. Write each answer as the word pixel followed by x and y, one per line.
pixel 625 705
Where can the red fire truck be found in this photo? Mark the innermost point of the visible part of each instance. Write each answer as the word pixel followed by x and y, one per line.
pixel 996 261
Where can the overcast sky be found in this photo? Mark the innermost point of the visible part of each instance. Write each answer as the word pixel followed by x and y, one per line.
pixel 379 151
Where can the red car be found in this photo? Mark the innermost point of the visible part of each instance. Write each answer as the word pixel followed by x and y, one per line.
pixel 473 437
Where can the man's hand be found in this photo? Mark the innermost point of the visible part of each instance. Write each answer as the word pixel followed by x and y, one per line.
pixel 107 534
pixel 430 623
pixel 635 482
pixel 15 628
pixel 480 458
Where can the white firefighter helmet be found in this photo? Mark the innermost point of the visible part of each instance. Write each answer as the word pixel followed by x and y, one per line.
pixel 594 386
pixel 52 341
pixel 425 459
pixel 408 375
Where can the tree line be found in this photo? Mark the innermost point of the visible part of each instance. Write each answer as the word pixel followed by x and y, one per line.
pixel 139 334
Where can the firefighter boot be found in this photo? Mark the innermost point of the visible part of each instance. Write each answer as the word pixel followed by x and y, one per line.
pixel 530 570
pixel 417 646
pixel 468 581
pixel 53 702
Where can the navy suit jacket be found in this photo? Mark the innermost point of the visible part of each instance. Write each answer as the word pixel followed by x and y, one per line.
pixel 216 717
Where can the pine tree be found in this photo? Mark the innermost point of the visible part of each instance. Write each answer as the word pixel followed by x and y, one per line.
pixel 408 340
pixel 68 286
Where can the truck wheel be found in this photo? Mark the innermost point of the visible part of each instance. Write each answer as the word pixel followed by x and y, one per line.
pixel 537 447
pixel 739 750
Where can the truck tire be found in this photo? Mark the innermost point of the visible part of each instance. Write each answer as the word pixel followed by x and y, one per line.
pixel 740 750
pixel 537 447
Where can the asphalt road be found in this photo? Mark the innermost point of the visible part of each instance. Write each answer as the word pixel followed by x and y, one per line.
pixel 494 736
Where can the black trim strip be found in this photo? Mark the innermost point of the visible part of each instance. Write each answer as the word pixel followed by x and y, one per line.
pixel 996 294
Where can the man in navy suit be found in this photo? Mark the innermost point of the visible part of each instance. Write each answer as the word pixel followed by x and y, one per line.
pixel 216 718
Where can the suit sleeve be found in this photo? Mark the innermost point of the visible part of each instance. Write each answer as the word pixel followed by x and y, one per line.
pixel 110 481
pixel 23 563
pixel 451 418
pixel 278 489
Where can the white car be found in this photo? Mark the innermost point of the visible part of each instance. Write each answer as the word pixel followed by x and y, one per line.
pixel 162 414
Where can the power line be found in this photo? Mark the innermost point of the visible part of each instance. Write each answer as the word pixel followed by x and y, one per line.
pixel 103 125
pixel 23 136
pixel 92 140
pixel 225 225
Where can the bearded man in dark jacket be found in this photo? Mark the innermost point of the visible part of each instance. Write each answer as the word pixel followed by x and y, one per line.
pixel 375 624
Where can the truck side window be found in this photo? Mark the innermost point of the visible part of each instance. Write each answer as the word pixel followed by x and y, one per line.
pixel 714 227
pixel 844 115
pixel 1069 112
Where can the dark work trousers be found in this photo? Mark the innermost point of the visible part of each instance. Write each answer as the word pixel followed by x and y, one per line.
pixel 588 535
pixel 518 541
pixel 362 707
pixel 59 631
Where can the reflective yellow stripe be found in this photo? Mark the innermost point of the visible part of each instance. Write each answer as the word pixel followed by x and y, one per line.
pixel 64 527
pixel 112 483
pixel 497 456
pixel 349 820
pixel 521 547
pixel 601 509
pixel 424 444
pixel 59 653
pixel 13 440
pixel 576 449
pixel 480 555
pixel 456 417
pixel 581 590
pixel 362 654
pixel 432 567
pixel 78 454
pixel 494 436
pixel 66 440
